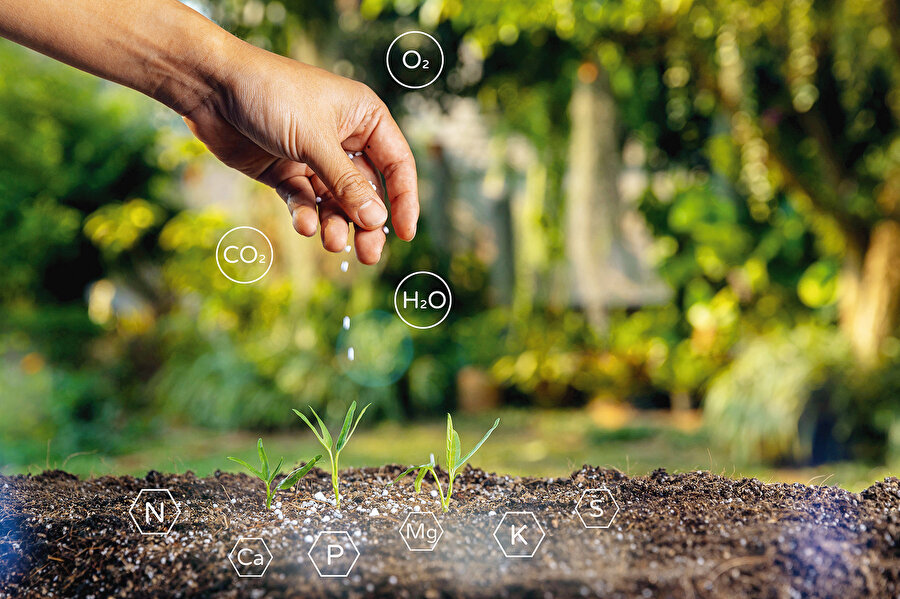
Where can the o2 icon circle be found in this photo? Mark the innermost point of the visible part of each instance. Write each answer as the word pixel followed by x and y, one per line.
pixel 244 255
pixel 414 59
pixel 422 300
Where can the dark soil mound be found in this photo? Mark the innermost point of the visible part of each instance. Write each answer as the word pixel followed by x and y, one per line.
pixel 684 535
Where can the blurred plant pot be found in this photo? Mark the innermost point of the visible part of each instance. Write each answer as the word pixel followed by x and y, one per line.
pixel 476 391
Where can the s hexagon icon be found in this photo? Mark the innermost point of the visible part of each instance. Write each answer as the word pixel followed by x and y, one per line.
pixel 154 511
pixel 519 534
pixel 333 554
pixel 421 531
pixel 597 508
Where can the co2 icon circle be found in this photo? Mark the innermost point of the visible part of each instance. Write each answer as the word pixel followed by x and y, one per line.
pixel 422 300
pixel 415 59
pixel 244 255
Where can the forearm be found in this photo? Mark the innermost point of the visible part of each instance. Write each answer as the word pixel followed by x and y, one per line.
pixel 161 48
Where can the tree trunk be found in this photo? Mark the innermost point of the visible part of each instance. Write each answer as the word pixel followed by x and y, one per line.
pixel 592 210
pixel 871 302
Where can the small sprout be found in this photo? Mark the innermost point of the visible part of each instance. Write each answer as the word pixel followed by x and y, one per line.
pixel 268 477
pixel 454 463
pixel 334 447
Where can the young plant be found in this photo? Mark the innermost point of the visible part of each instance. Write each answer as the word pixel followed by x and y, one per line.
pixel 454 463
pixel 334 447
pixel 268 477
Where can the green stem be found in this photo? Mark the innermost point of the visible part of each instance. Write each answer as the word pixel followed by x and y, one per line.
pixel 445 502
pixel 335 483
pixel 268 497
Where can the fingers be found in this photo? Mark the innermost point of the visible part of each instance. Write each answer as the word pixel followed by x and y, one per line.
pixel 300 198
pixel 389 152
pixel 369 245
pixel 349 187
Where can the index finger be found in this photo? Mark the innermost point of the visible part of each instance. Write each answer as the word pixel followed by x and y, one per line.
pixel 389 152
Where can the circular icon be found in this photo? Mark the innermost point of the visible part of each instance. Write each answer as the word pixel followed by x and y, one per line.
pixel 422 300
pixel 414 59
pixel 244 255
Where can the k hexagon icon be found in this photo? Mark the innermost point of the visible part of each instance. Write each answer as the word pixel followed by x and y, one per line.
pixel 333 554
pixel 421 531
pixel 596 508
pixel 519 534
pixel 154 511
pixel 250 557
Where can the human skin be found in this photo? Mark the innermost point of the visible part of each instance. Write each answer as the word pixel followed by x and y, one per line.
pixel 284 123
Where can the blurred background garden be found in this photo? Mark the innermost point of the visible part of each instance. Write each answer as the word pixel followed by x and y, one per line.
pixel 672 231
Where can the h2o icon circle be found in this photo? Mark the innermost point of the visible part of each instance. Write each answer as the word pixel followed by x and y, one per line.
pixel 244 255
pixel 422 300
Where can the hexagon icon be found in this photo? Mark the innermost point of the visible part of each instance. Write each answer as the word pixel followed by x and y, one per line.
pixel 250 557
pixel 597 508
pixel 333 554
pixel 154 511
pixel 421 531
pixel 519 534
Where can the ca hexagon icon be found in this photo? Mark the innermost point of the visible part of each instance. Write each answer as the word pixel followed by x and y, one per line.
pixel 154 511
pixel 597 508
pixel 519 534
pixel 333 554
pixel 250 557
pixel 421 531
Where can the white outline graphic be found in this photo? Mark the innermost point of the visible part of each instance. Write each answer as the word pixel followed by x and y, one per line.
pixel 436 541
pixel 533 551
pixel 271 254
pixel 593 491
pixel 387 61
pixel 449 299
pixel 268 561
pixel 313 546
pixel 174 520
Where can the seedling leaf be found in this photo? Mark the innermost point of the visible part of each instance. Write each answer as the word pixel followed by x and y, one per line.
pixel 312 428
pixel 263 459
pixel 326 436
pixel 276 470
pixel 478 446
pixel 345 430
pixel 295 475
pixel 358 418
pixel 247 466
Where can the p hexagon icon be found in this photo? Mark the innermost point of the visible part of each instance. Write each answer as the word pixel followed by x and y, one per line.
pixel 250 557
pixel 421 531
pixel 333 554
pixel 597 508
pixel 519 534
pixel 154 511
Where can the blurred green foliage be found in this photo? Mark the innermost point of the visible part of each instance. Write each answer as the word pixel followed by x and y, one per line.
pixel 764 138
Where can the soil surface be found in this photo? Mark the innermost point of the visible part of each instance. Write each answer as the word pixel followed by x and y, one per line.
pixel 676 535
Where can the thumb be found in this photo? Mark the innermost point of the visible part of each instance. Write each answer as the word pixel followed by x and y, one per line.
pixel 350 188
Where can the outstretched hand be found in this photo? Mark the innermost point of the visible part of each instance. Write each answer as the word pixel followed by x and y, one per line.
pixel 311 134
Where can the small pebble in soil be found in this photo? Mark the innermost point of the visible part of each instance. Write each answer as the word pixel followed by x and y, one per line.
pixel 319 496
pixel 374 512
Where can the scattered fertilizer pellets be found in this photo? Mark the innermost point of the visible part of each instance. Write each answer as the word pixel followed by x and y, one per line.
pixel 347 249
pixel 346 323
pixel 350 354
pixel 318 200
pixel 386 230
pixel 344 266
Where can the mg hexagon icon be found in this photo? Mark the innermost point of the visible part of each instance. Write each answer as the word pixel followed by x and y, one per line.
pixel 421 531
pixel 250 557
pixel 154 511
pixel 597 508
pixel 333 554
pixel 519 534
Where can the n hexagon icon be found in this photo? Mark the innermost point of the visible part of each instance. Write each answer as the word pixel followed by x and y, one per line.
pixel 154 511
pixel 596 508
pixel 519 534
pixel 250 557
pixel 333 554
pixel 421 531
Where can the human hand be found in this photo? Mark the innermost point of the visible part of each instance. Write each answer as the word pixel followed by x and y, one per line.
pixel 292 126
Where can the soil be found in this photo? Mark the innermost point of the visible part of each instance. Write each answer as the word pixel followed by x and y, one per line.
pixel 676 535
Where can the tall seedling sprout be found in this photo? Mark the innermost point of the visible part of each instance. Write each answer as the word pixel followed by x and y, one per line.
pixel 454 463
pixel 334 447
pixel 268 477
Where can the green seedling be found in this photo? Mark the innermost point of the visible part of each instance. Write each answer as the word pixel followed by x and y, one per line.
pixel 268 477
pixel 334 447
pixel 454 463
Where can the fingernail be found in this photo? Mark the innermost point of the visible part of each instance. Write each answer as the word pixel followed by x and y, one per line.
pixel 372 214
